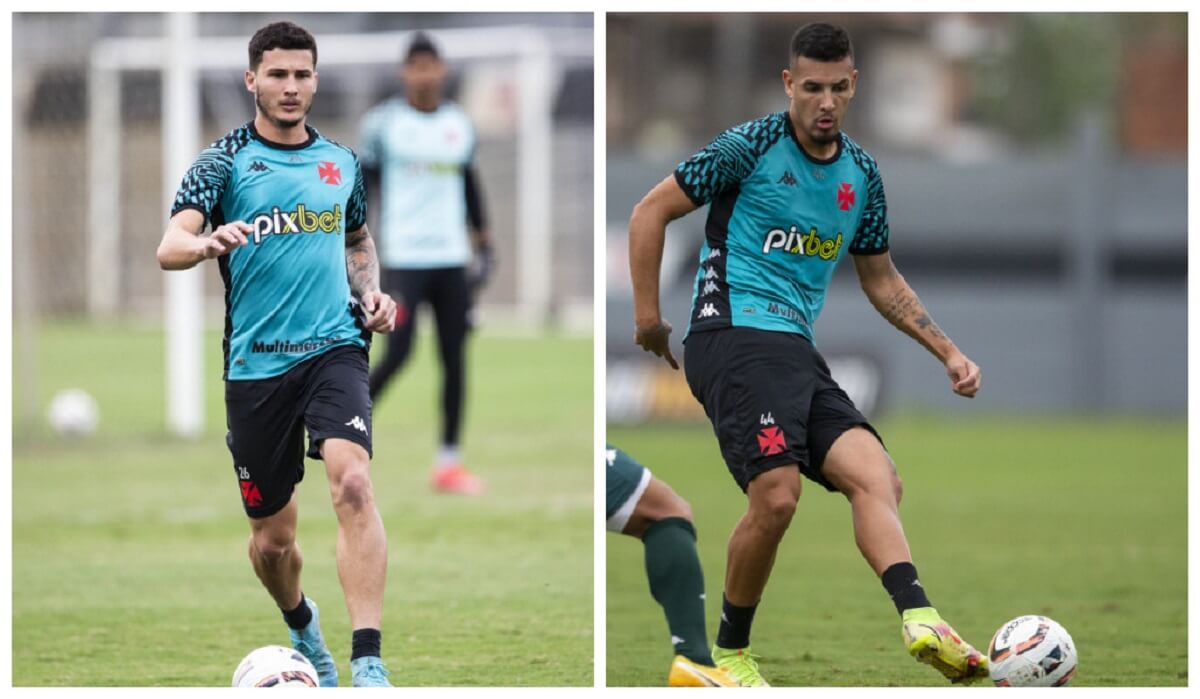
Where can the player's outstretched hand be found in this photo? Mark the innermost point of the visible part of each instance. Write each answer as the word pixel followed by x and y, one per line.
pixel 656 339
pixel 965 376
pixel 380 312
pixel 225 238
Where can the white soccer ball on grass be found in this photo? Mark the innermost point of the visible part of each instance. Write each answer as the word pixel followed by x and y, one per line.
pixel 73 413
pixel 275 667
pixel 1032 651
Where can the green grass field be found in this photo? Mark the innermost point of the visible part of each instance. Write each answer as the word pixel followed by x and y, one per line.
pixel 129 549
pixel 1084 520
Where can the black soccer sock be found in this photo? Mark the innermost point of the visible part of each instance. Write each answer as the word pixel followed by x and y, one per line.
pixel 364 642
pixel 299 617
pixel 677 583
pixel 734 631
pixel 900 581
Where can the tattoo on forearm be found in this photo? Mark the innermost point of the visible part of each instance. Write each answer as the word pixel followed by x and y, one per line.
pixel 899 306
pixel 924 322
pixel 905 305
pixel 362 265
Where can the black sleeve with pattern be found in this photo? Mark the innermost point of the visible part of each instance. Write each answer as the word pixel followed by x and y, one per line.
pixel 872 235
pixel 356 208
pixel 718 167
pixel 205 181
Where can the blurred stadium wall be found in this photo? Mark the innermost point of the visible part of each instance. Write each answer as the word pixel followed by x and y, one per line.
pixel 1036 176
pixel 56 88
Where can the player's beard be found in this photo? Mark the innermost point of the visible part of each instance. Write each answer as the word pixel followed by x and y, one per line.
pixel 276 121
pixel 824 137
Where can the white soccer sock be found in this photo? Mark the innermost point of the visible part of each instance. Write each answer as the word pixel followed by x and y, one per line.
pixel 448 456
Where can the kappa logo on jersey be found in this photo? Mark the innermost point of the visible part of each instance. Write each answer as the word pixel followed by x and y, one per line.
pixel 767 419
pixel 709 311
pixel 845 196
pixel 301 220
pixel 710 287
pixel 787 179
pixel 258 166
pixel 771 441
pixel 329 173
pixel 809 244
pixel 357 423
pixel 714 253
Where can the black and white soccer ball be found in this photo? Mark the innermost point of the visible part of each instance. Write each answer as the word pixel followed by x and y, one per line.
pixel 1032 651
pixel 275 666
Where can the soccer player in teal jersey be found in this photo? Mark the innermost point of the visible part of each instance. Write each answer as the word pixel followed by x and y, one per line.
pixel 287 208
pixel 434 241
pixel 790 195
pixel 639 505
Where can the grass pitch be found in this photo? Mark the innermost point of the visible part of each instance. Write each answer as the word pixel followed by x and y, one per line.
pixel 129 548
pixel 1083 520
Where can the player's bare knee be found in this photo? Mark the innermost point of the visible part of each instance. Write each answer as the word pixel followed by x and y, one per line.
pixel 272 545
pixel 353 492
pixel 675 506
pixel 776 508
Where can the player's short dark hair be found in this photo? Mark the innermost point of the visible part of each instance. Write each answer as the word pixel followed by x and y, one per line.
pixel 280 35
pixel 421 43
pixel 822 42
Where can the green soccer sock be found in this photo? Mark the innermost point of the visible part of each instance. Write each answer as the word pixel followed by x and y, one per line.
pixel 677 583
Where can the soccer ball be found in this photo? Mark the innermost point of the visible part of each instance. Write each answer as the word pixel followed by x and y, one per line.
pixel 1032 651
pixel 275 666
pixel 73 413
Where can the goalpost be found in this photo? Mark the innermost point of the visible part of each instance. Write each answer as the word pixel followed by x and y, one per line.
pixel 180 55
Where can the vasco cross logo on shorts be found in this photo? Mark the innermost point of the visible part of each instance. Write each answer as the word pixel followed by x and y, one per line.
pixel 250 494
pixel 771 441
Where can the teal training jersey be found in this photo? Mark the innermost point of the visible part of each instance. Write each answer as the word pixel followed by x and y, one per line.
pixel 287 296
pixel 422 157
pixel 779 221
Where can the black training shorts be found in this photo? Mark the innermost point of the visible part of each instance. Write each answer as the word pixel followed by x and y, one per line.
pixel 266 420
pixel 770 398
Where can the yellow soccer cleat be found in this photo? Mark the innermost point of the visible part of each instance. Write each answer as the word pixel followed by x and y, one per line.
pixel 740 664
pixel 930 640
pixel 685 673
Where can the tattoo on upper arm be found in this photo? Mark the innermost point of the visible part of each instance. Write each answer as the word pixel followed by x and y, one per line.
pixel 362 265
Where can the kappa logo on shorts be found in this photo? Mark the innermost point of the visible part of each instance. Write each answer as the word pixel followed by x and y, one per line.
pixel 771 441
pixel 250 494
pixel 358 424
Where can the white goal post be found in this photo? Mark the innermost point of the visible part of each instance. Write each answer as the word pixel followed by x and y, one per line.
pixel 181 54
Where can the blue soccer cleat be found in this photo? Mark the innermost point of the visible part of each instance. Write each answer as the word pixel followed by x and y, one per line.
pixel 368 671
pixel 311 645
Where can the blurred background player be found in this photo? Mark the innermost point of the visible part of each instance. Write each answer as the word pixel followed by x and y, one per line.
pixel 782 189
pixel 288 211
pixel 642 506
pixel 420 147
